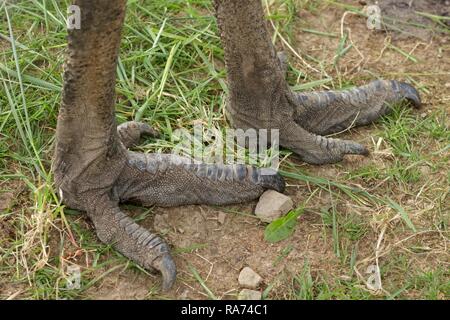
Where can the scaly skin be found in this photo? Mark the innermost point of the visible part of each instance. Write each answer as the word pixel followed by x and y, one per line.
pixel 94 171
pixel 169 180
pixel 334 111
pixel 260 98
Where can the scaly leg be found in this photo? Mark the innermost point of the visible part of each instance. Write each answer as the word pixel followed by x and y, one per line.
pixel 94 171
pixel 260 98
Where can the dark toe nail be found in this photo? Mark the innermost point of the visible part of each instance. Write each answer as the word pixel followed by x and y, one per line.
pixel 270 179
pixel 356 148
pixel 168 269
pixel 410 93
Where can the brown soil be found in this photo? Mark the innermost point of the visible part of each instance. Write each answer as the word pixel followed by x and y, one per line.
pixel 405 18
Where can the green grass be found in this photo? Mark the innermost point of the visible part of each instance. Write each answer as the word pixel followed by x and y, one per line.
pixel 171 74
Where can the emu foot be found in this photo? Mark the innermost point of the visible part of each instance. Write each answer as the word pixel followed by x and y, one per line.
pixel 303 119
pixel 149 179
pixel 135 242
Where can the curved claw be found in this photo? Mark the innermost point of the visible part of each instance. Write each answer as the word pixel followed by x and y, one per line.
pixel 270 179
pixel 135 242
pixel 408 92
pixel 350 147
pixel 168 269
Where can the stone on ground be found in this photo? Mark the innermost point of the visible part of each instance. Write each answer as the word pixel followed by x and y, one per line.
pixel 272 205
pixel 221 217
pixel 249 278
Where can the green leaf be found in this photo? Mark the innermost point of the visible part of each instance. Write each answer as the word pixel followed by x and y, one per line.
pixel 34 82
pixel 394 205
pixel 310 85
pixel 283 227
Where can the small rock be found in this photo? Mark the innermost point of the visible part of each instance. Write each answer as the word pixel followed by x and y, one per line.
pixel 447 85
pixel 249 278
pixel 221 217
pixel 273 205
pixel 247 294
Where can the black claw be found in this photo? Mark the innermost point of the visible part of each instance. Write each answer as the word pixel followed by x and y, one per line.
pixel 168 269
pixel 356 148
pixel 270 179
pixel 365 152
pixel 408 92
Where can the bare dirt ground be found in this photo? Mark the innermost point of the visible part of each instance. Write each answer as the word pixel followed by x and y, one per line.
pixel 397 13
